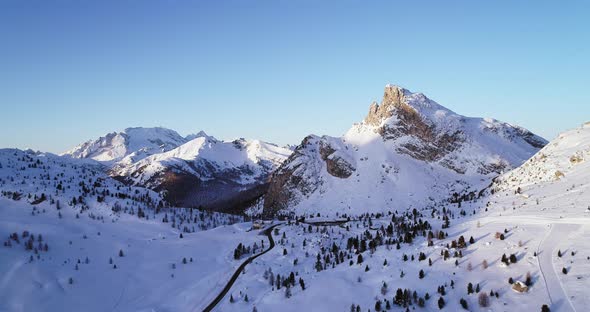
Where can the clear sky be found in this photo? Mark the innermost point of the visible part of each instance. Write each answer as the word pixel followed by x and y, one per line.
pixel 279 70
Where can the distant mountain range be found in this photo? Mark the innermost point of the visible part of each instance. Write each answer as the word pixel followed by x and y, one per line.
pixel 193 171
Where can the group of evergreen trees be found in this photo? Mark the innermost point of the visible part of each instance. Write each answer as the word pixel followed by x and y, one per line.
pixel 242 250
pixel 31 243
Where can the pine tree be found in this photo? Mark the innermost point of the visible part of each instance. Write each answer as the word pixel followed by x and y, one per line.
pixel 463 303
pixel 318 265
pixel 378 306
pixel 421 274
pixel 513 258
pixel 441 303
pixel 421 302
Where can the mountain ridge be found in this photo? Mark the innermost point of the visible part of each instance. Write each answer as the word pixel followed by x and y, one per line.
pixel 414 141
pixel 196 171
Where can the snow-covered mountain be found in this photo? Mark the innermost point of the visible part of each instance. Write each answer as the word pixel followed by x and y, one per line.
pixel 130 145
pixel 409 151
pixel 208 172
pixel 196 170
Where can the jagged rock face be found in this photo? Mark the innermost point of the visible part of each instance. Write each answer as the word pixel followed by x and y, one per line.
pixel 336 165
pixel 431 144
pixel 406 144
pixel 288 176
pixel 302 171
pixel 393 99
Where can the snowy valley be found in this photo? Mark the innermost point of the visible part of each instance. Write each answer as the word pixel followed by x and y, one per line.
pixel 416 208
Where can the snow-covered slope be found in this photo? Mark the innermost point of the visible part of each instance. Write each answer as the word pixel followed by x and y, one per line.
pixel 557 178
pixel 409 151
pixel 79 183
pixel 548 198
pixel 103 261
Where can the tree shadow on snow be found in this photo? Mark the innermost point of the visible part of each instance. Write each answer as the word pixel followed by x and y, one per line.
pixel 481 237
pixel 556 306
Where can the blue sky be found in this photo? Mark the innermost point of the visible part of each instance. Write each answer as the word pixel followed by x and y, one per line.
pixel 279 70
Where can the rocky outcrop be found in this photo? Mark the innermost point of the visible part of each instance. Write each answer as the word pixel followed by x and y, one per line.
pixel 336 164
pixel 291 176
pixel 301 174
pixel 430 143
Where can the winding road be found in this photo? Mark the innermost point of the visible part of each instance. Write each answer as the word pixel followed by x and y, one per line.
pixel 232 280
pixel 546 251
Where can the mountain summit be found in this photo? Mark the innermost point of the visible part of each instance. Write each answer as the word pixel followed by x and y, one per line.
pixel 134 142
pixel 409 151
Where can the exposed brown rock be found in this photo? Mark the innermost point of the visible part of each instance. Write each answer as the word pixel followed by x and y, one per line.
pixel 335 165
pixel 429 146
pixel 283 181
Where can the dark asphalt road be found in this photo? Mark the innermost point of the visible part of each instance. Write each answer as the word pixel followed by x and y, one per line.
pixel 230 283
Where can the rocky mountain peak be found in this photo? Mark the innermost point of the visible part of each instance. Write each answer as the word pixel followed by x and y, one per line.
pixel 200 134
pixel 403 104
pixel 393 97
